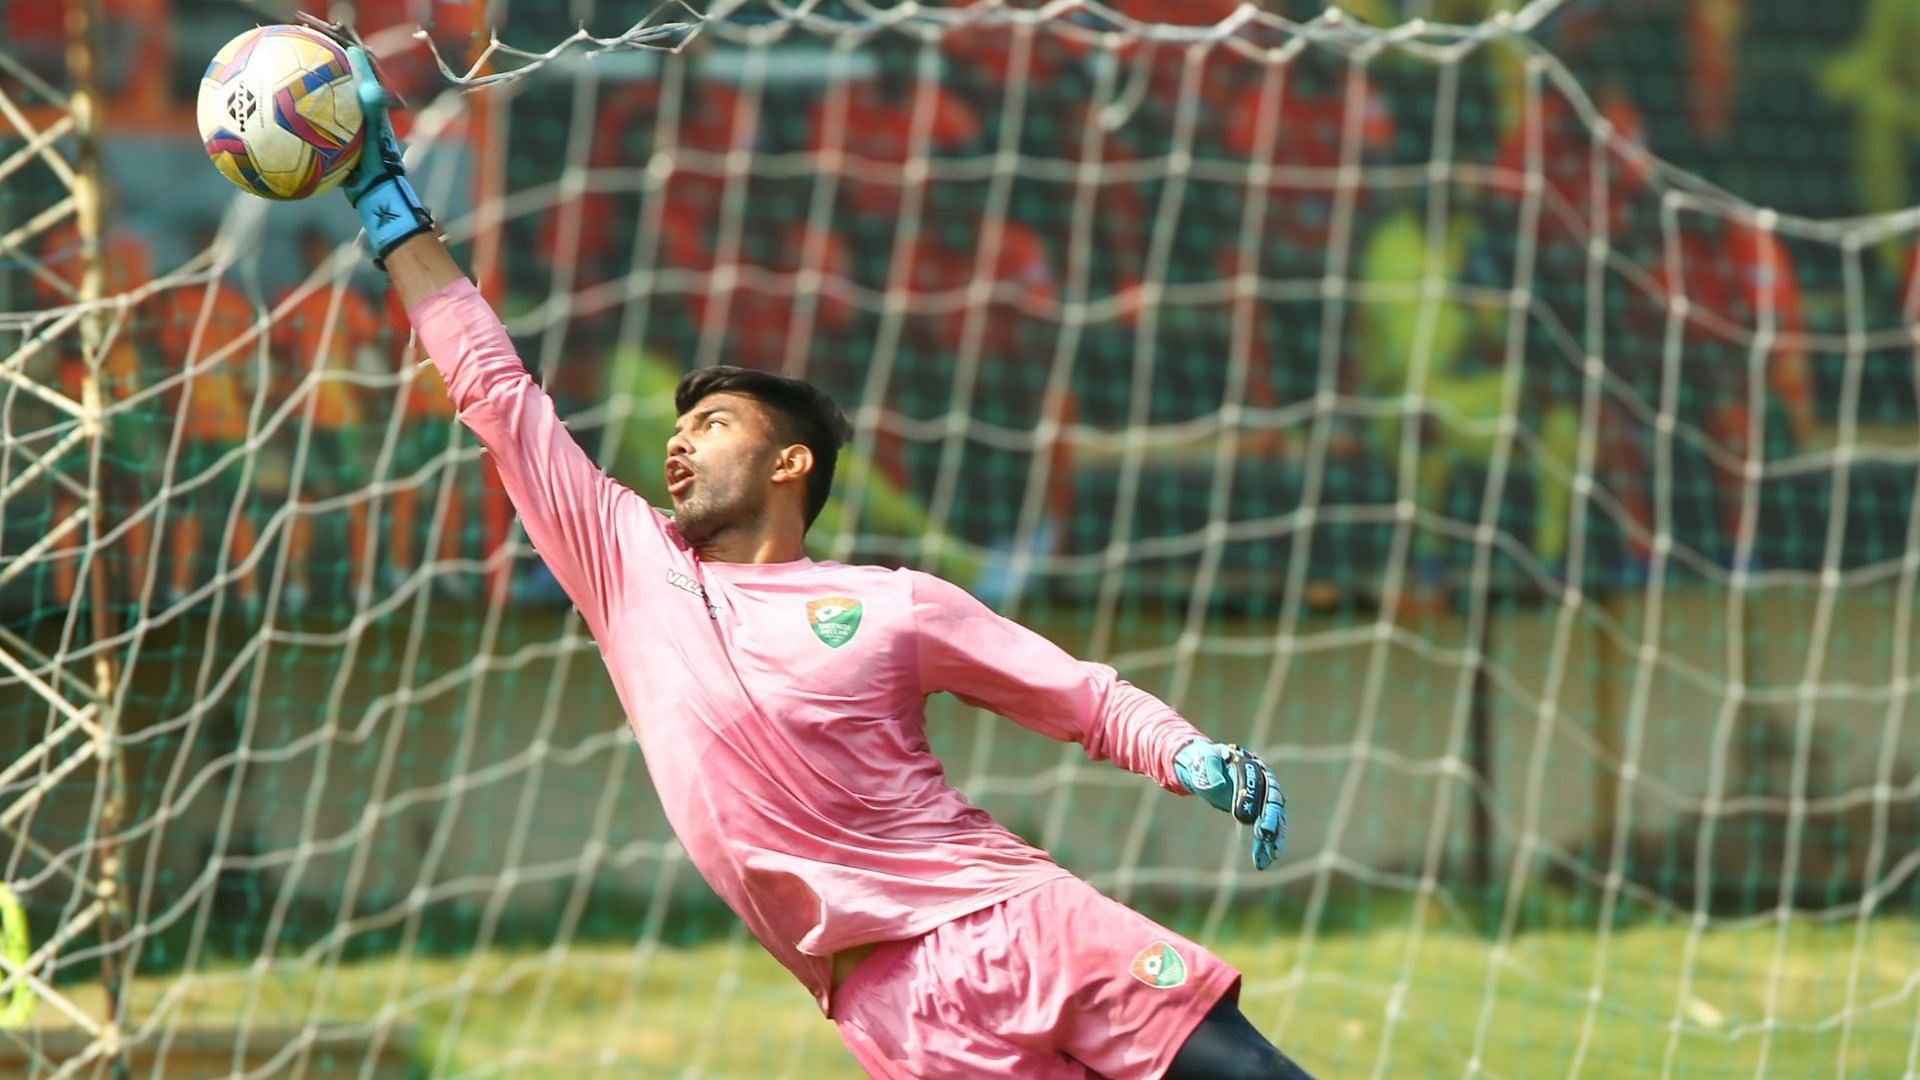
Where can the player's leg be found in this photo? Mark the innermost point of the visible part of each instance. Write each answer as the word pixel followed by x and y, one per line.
pixel 1004 992
pixel 1226 1046
pixel 1117 992
pixel 942 1006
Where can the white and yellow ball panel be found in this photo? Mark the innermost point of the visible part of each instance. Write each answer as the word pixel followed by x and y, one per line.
pixel 278 112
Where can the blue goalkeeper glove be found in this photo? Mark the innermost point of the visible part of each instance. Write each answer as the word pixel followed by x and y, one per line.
pixel 1238 782
pixel 377 187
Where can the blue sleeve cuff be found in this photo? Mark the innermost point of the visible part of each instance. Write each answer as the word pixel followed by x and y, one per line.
pixel 392 213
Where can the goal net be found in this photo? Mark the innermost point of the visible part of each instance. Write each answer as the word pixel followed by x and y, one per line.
pixel 1542 512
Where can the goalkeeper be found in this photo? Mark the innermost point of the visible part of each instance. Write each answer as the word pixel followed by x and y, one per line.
pixel 778 702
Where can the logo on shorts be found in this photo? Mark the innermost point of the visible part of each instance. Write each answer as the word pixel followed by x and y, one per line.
pixel 1159 966
pixel 834 619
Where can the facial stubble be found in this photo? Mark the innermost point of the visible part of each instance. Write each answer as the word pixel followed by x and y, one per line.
pixel 723 498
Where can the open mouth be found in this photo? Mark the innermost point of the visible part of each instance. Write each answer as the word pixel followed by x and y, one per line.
pixel 679 476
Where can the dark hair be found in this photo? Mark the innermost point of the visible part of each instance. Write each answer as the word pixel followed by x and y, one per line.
pixel 802 413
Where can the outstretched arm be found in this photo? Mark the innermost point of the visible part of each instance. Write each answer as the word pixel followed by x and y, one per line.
pixel 420 267
pixel 398 225
pixel 570 509
pixel 997 664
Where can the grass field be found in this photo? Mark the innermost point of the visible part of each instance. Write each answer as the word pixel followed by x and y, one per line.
pixel 723 1009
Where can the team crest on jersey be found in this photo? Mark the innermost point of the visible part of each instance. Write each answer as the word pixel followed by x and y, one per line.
pixel 1158 966
pixel 834 619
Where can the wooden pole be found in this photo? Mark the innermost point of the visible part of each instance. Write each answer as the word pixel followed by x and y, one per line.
pixel 84 18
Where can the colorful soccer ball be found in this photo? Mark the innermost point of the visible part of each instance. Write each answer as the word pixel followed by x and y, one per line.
pixel 278 112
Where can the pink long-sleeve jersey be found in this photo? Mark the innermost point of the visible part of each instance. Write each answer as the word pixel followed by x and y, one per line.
pixel 780 707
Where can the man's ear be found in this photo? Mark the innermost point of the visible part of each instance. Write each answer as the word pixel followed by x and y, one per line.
pixel 792 464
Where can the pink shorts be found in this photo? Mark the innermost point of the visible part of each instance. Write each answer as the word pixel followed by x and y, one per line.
pixel 1056 982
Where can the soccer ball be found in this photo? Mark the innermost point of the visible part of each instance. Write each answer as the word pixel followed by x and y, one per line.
pixel 278 112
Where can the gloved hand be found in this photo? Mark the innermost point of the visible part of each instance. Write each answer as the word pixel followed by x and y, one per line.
pixel 1238 782
pixel 377 187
